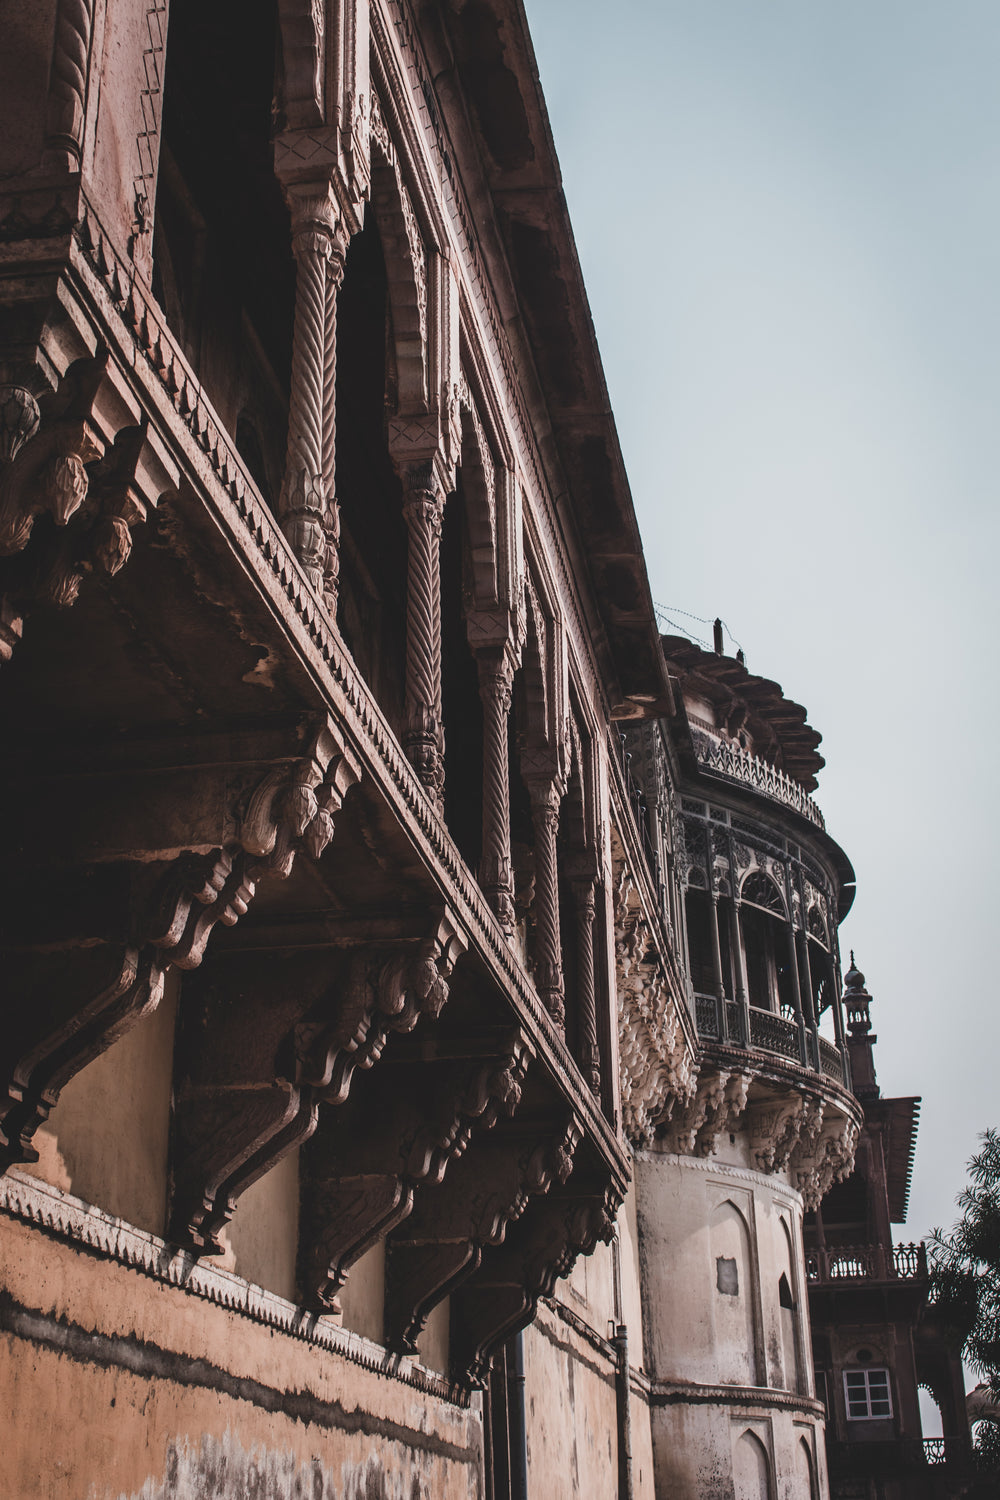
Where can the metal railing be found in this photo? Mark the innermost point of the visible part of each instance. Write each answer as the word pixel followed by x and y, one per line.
pixel 771 1033
pixel 831 1063
pixel 867 1263
pixel 728 760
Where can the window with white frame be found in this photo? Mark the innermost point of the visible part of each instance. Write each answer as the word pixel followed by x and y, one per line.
pixel 867 1394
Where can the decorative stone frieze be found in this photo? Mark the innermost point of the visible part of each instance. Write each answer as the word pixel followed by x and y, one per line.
pixel 805 1133
pixel 658 1072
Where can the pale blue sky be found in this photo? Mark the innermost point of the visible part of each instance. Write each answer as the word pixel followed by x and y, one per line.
pixel 788 217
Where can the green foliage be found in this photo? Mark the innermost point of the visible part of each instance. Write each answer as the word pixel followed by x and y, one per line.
pixel 987 1448
pixel 965 1280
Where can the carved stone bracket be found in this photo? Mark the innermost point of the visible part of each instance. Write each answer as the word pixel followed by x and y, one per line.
pixel 775 1126
pixel 441 1244
pixel 362 1172
pixel 86 465
pixel 717 1106
pixel 259 1072
pixel 72 1005
pixel 541 1247
pixel 825 1156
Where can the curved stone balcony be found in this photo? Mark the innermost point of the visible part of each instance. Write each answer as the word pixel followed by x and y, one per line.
pixel 769 1033
pixel 729 762
pixel 796 1122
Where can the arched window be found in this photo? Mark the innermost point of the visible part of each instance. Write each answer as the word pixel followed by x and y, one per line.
pixel 788 1313
pixel 751 1468
pixel 807 1470
pixel 760 890
pixel 765 944
pixel 733 1302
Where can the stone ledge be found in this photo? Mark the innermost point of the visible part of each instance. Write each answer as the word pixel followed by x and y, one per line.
pixel 61 1215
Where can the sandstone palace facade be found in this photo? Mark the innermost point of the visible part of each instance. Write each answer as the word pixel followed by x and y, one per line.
pixel 421 1026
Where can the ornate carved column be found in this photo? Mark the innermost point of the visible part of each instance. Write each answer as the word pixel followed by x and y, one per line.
pixel 588 1054
pixel 739 964
pixel 423 509
pixel 496 678
pixel 797 992
pixel 809 1009
pixel 545 799
pixel 720 989
pixel 309 512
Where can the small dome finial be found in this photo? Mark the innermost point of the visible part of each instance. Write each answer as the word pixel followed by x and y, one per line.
pixel 854 980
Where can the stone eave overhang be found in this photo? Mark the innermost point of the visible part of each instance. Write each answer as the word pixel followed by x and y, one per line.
pixel 725 678
pixel 901 1119
pixel 552 334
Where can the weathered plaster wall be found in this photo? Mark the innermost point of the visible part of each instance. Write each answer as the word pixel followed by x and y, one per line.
pixel 725 1357
pixel 571 1378
pixel 571 1414
pixel 262 1237
pixel 631 1282
pixel 704 1453
pixel 107 1138
pixel 713 1251
pixel 185 1398
pixel 363 1298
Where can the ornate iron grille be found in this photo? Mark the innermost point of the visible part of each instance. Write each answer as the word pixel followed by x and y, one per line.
pixel 770 1033
pixel 706 1015
pixel 867 1263
pixel 742 765
pixel 830 1061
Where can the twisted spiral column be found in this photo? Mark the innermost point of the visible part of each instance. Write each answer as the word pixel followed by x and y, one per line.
pixel 423 510
pixel 496 678
pixel 548 963
pixel 588 1054
pixel 331 569
pixel 307 491
pixel 68 82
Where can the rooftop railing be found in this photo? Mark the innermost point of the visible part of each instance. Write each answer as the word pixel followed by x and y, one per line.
pixel 725 759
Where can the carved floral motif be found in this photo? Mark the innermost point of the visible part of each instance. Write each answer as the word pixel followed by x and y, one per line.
pixel 656 1061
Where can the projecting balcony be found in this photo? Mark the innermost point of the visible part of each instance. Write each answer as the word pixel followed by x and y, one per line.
pixel 853 1263
pixel 768 1032
pixel 729 762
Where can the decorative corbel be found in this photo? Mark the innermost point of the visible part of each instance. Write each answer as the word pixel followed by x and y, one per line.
pixel 88 466
pixel 503 1294
pixel 362 1172
pixel 442 1242
pixel 74 1004
pixel 258 1074
pixel 774 1131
